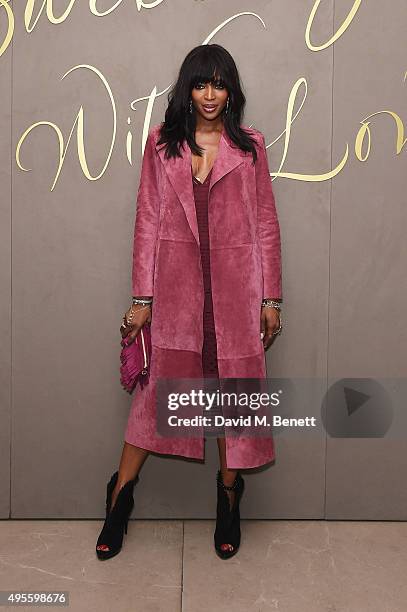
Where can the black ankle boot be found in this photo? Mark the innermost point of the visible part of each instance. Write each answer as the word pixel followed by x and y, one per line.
pixel 227 530
pixel 116 521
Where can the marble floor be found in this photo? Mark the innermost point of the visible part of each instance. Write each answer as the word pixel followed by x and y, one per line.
pixel 170 566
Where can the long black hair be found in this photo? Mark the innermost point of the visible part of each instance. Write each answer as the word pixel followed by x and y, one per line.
pixel 200 66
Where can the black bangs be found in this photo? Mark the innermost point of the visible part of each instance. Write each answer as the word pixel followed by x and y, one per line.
pixel 207 77
pixel 204 65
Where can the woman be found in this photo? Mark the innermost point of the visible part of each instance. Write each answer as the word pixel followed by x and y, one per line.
pixel 207 258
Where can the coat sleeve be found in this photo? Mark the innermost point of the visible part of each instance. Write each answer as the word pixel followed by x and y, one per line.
pixel 268 227
pixel 146 223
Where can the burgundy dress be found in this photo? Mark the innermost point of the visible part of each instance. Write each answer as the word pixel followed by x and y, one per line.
pixel 209 354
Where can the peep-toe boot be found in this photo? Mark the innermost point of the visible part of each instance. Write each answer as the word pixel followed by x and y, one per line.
pixel 227 532
pixel 117 519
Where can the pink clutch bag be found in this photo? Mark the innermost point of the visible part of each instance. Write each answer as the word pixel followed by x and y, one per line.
pixel 135 359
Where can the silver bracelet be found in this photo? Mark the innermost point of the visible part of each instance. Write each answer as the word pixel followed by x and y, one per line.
pixel 142 301
pixel 271 304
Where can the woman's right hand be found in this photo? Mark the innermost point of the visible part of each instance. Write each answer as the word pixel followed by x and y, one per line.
pixel 137 315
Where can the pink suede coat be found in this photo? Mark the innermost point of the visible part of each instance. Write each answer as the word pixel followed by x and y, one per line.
pixel 245 267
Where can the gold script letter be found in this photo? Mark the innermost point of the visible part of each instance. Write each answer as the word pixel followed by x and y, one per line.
pixel 289 121
pixel 10 29
pixel 95 11
pixel 365 130
pixel 28 13
pixel 338 34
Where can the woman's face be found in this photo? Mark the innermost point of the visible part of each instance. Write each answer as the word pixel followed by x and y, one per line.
pixel 209 99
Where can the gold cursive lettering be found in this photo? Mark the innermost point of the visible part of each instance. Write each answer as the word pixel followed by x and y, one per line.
pixel 363 138
pixel 287 132
pixel 340 31
pixel 10 26
pixel 80 139
pixel 94 10
pixel 364 131
pixel 28 13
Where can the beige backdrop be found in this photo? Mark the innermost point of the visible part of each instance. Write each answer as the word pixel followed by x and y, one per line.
pixel 66 239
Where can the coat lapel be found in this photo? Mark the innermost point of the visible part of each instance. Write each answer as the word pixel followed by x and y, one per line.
pixel 179 171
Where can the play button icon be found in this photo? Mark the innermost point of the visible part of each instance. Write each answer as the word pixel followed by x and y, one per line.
pixel 357 408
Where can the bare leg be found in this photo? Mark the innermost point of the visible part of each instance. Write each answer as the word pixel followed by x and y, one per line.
pixel 228 476
pixel 131 462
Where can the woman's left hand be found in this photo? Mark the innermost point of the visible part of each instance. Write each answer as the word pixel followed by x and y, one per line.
pixel 269 323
